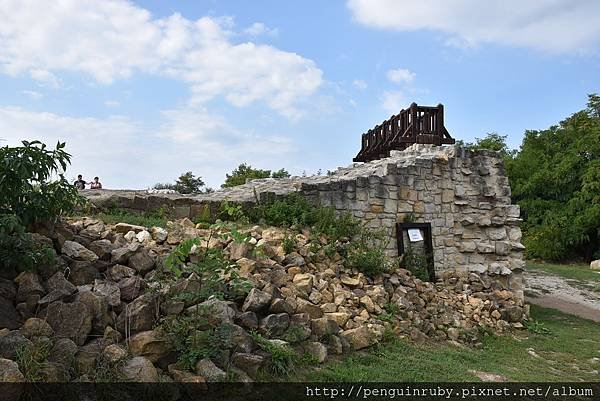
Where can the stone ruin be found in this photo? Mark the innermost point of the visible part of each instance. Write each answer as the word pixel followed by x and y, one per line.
pixel 459 200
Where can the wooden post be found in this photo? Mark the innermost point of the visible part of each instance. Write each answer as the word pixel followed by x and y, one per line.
pixel 414 120
pixel 439 126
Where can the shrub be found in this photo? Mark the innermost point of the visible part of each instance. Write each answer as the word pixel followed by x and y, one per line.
pixel 18 250
pixel 283 358
pixel 196 336
pixel 218 274
pixel 367 253
pixel 416 263
pixel 26 188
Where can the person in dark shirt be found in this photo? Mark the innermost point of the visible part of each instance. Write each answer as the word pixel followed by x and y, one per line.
pixel 79 183
pixel 96 184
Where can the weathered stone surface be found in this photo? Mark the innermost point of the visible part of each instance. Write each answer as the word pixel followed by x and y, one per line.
pixel 324 326
pixel 117 273
pixel 159 234
pixel 139 369
pixel 215 310
pixel 10 373
pixel 124 228
pixel 131 287
pixel 359 338
pixel 29 284
pixel 63 352
pixel 249 363
pixel 247 320
pixel 102 248
pixel 114 353
pixel 256 300
pixel 595 265
pixel 9 317
pixel 149 344
pixel 207 369
pixel 316 350
pixel 34 327
pixel 99 309
pixel 109 290
pixel 77 251
pixel 87 356
pixel 139 315
pixel 275 324
pixel 73 320
pixel 11 343
pixel 141 261
pixel 121 255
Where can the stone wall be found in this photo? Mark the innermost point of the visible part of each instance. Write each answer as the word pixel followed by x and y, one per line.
pixel 463 194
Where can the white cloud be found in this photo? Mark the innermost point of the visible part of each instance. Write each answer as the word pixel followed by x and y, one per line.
pixel 359 84
pixel 112 39
pixel 558 26
pixel 258 28
pixel 32 94
pixel 44 78
pixel 125 153
pixel 393 101
pixel 401 75
pixel 112 103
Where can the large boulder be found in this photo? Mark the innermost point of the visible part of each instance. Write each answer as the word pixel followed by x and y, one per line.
pixel 11 343
pixel 70 320
pixel 75 250
pixel 360 337
pixel 256 300
pixel 121 255
pixel 35 327
pixel 63 352
pixel 98 306
pixel 595 265
pixel 141 261
pixel 10 373
pixel 117 273
pixel 131 287
pixel 207 369
pixel 109 290
pixel 29 285
pixel 215 310
pixel 275 324
pixel 139 369
pixel 102 248
pixel 82 272
pixel 149 344
pixel 9 317
pixel 139 315
pixel 58 282
pixel 87 356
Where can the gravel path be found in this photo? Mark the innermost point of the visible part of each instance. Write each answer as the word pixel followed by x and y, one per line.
pixel 569 296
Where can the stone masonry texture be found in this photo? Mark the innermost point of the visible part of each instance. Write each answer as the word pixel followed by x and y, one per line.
pixel 463 194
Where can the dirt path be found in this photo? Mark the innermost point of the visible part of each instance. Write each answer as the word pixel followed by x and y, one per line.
pixel 569 296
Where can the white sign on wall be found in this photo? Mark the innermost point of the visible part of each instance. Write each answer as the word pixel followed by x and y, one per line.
pixel 414 235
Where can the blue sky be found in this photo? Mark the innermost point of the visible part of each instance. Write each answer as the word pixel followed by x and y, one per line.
pixel 144 91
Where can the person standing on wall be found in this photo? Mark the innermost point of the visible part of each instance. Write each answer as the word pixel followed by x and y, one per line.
pixel 96 184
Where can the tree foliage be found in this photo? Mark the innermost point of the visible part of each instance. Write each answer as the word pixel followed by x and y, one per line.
pixel 32 183
pixel 244 172
pixel 187 183
pixel 555 178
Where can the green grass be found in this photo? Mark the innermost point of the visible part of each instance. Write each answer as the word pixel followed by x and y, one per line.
pixel 575 271
pixel 140 219
pixel 563 355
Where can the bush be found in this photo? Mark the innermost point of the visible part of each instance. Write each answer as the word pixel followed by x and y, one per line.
pixel 367 253
pixel 18 250
pixel 26 188
pixel 416 263
pixel 156 218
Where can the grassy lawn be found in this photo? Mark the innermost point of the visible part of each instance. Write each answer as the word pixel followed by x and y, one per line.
pixel 570 352
pixel 578 272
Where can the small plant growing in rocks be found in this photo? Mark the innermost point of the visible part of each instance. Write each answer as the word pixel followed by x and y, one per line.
pixel 283 358
pixel 31 359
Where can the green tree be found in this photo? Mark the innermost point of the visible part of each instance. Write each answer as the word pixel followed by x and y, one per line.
pixel 491 141
pixel 187 183
pixel 32 183
pixel 242 173
pixel 555 178
pixel 282 173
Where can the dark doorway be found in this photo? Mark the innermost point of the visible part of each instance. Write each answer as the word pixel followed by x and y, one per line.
pixel 416 248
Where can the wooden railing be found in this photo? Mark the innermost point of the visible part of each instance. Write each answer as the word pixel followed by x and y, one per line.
pixel 417 124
